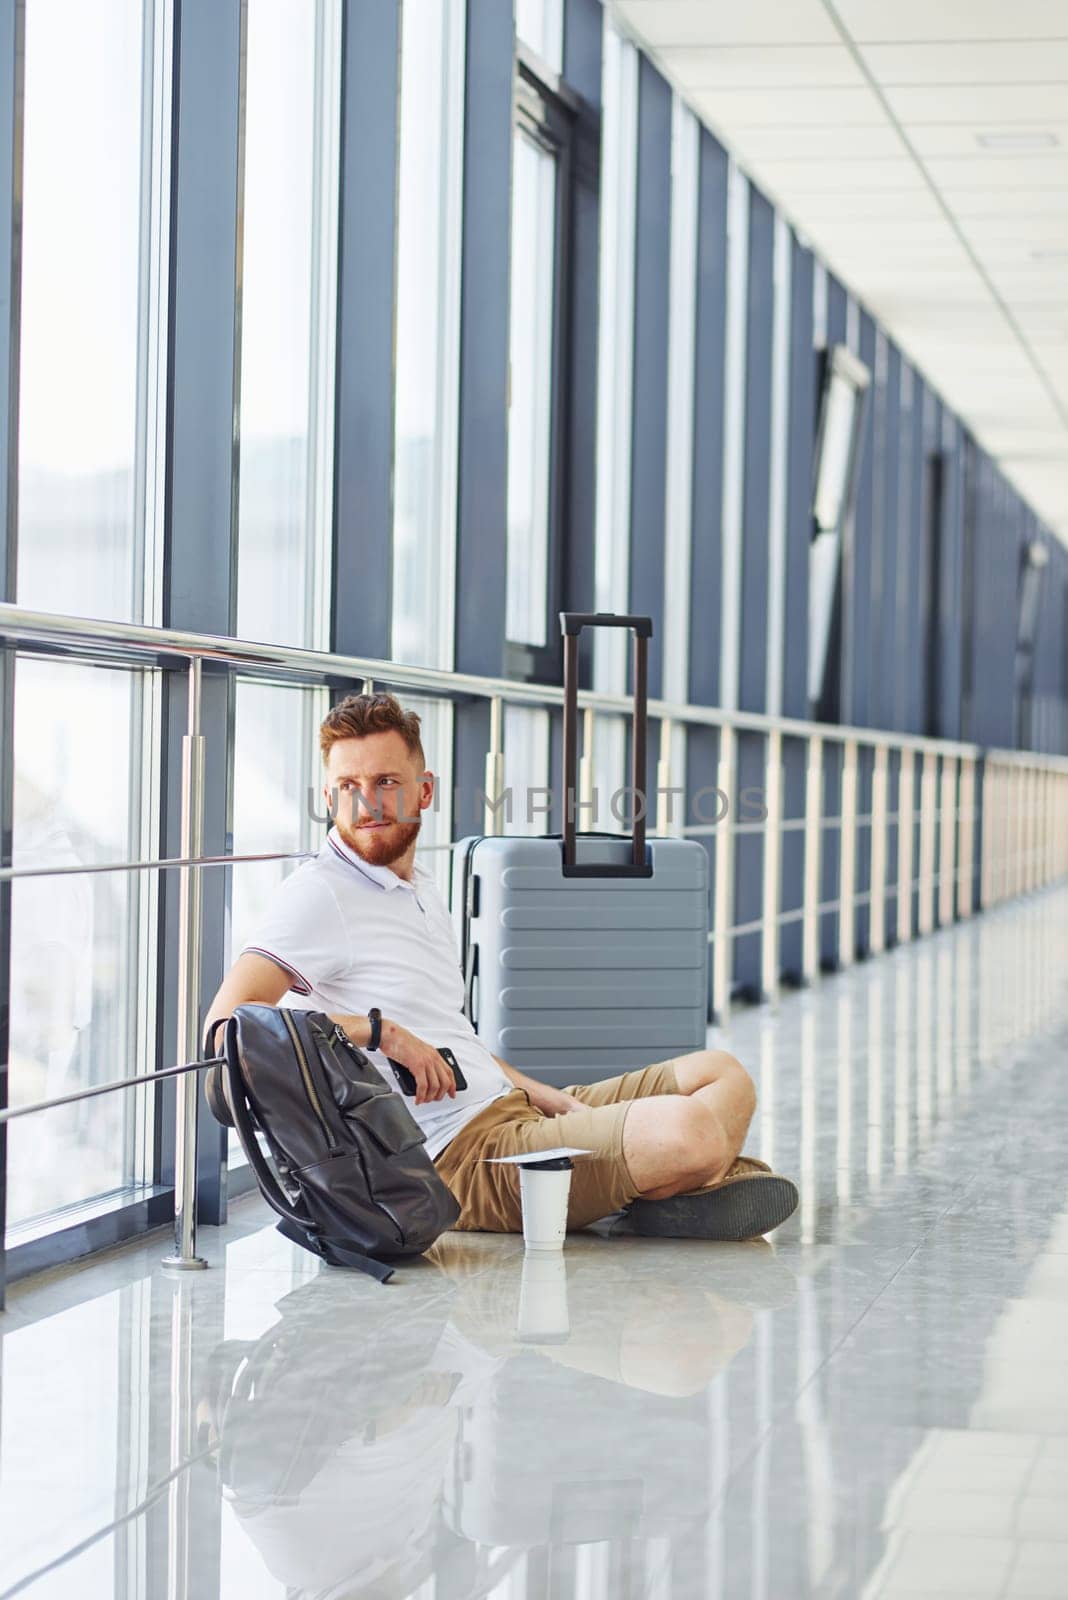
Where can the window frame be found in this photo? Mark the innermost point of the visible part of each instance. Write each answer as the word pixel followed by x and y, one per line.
pixel 548 113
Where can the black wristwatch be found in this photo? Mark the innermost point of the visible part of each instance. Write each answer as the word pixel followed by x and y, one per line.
pixel 374 1017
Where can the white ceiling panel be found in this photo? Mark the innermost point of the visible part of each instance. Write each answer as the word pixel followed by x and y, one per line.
pixel 985 105
pixel 994 232
pixel 905 20
pixel 920 147
pixel 765 67
pixel 877 142
pixel 705 22
pixel 880 207
pixel 819 177
pixel 962 138
pixel 967 61
pixel 755 108
pixel 953 173
pixel 1014 439
pixel 1009 203
pixel 875 235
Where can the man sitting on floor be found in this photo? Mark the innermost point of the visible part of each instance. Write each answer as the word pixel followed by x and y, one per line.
pixel 362 933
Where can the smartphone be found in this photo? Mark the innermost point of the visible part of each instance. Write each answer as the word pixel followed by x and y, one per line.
pixel 407 1081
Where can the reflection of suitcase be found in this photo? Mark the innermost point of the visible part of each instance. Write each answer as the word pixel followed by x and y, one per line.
pixel 585 955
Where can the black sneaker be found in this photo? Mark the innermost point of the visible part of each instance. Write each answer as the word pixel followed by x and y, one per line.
pixel 750 1201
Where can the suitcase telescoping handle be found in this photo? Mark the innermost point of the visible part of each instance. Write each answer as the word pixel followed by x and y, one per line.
pixel 571 625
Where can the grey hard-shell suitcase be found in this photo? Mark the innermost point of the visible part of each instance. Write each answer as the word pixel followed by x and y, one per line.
pixel 585 955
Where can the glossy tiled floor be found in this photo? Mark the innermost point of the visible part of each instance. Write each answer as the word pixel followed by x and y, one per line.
pixel 874 1405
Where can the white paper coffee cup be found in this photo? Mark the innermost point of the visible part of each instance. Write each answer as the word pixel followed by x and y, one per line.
pixel 544 1193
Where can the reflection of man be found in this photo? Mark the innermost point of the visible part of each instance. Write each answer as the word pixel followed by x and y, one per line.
pixel 362 933
pixel 335 1468
pixel 363 1479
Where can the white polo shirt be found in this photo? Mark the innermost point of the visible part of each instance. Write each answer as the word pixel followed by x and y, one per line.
pixel 353 935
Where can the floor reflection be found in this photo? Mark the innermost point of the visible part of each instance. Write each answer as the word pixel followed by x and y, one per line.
pixel 538 1411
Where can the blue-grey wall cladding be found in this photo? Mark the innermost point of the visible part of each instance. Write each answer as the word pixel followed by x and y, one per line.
pixel 753 629
pixel 804 365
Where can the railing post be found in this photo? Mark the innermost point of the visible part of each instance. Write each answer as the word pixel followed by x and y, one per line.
pixel 928 801
pixel 494 778
pixel 664 824
pixel 189 933
pixel 1016 812
pixel 947 851
pixel 906 815
pixel 996 861
pixel 966 867
pixel 810 915
pixel 877 903
pixel 585 769
pixel 1022 801
pixel 847 858
pixel 769 930
pixel 723 898
pixel 1052 792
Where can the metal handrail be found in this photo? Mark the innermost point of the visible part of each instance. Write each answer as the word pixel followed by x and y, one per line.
pixel 12 1112
pixel 10 874
pixel 49 633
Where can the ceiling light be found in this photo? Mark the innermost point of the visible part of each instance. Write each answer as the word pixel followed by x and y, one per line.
pixel 1017 141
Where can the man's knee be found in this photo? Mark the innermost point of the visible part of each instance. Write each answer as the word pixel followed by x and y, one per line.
pixel 703 1067
pixel 695 1140
pixel 746 1090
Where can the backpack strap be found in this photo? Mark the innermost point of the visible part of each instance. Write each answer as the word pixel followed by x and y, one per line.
pixel 333 1253
pixel 238 1105
pixel 295 1224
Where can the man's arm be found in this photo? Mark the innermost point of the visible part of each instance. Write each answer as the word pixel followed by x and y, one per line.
pixel 549 1101
pixel 254 980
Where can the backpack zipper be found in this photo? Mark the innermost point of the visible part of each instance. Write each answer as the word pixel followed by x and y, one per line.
pixel 305 1072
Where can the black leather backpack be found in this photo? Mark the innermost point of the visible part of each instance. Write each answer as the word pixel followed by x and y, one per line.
pixel 350 1179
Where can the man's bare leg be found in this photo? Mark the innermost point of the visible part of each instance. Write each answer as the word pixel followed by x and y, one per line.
pixel 679 1150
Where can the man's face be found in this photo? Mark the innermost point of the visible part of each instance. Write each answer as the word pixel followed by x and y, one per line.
pixel 379 783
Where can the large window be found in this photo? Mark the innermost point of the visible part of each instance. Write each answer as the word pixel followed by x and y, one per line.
pixel 539 24
pixel 89 196
pixel 537 371
pixel 92 341
pixel 430 186
pixel 288 298
pixel 81 1005
pixel 530 389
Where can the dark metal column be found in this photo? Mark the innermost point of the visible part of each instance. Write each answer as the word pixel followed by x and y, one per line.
pixel 861 612
pixel 12 62
pixel 652 273
pixel 753 629
pixel 583 50
pixel 706 547
pixel 363 449
pixel 804 366
pixel 837 313
pixel 648 443
pixel 482 496
pixel 201 489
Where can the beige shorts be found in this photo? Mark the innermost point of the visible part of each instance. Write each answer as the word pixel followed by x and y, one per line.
pixel 510 1126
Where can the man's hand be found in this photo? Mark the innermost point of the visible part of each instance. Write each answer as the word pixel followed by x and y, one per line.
pixel 433 1076
pixel 549 1101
